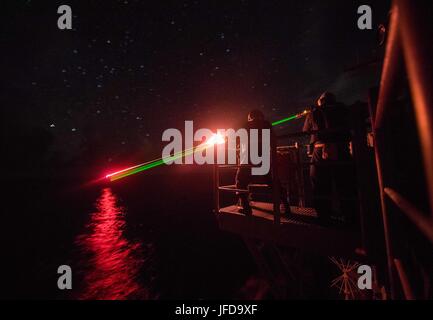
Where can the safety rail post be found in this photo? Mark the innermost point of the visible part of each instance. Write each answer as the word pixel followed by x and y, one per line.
pixel 407 289
pixel 216 179
pixel 378 152
pixel 276 189
pixel 300 171
pixel 359 153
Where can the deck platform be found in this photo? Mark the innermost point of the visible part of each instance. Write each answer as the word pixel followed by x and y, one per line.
pixel 300 231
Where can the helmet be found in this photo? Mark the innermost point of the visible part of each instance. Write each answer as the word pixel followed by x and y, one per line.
pixel 326 98
pixel 255 115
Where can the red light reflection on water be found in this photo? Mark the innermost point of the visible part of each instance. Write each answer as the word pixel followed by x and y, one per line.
pixel 114 262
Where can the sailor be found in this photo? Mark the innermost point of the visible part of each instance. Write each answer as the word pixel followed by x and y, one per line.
pixel 330 165
pixel 256 120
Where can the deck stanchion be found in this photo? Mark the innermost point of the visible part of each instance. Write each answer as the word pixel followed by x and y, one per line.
pixel 216 181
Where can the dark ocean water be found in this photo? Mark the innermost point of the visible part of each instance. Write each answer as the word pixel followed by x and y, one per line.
pixel 150 236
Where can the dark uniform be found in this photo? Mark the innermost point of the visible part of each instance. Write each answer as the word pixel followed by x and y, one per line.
pixel 331 158
pixel 243 175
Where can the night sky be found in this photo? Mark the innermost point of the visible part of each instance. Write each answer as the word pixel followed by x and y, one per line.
pixel 105 91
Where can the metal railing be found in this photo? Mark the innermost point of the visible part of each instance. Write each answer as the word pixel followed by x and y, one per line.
pixel 233 189
pixel 409 50
pixel 276 192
